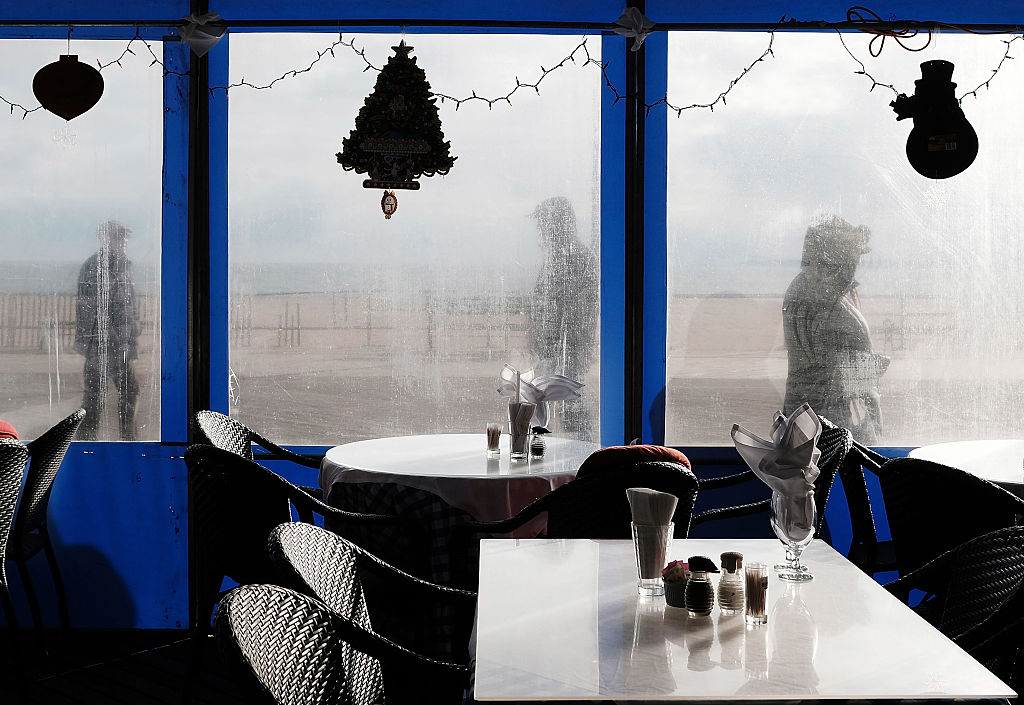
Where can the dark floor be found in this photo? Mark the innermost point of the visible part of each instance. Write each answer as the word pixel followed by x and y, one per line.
pixel 112 668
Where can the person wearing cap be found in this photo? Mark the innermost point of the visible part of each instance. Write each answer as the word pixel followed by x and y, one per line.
pixel 107 331
pixel 563 322
pixel 832 365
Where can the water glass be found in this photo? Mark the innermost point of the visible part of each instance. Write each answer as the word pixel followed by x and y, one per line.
pixel 652 546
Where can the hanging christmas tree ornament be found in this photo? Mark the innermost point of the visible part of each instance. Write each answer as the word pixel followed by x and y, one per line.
pixel 67 87
pixel 942 143
pixel 397 136
pixel 389 204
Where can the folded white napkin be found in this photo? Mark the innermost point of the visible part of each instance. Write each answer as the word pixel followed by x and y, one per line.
pixel 199 36
pixel 788 463
pixel 538 389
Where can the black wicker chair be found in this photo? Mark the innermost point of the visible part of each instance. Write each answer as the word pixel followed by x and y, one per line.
pixel 334 570
pixel 975 596
pixel 29 535
pixel 13 456
pixel 234 503
pixel 834 443
pixel 867 551
pixel 933 508
pixel 589 507
pixel 215 429
pixel 291 649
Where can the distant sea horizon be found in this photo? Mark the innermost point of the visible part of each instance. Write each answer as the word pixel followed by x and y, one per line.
pixel 284 278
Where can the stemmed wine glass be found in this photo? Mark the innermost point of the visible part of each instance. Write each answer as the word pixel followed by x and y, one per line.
pixel 793 520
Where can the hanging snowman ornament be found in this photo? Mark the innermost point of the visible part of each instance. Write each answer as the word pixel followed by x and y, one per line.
pixel 389 204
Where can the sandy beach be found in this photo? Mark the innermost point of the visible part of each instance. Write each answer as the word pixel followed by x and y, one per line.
pixel 326 369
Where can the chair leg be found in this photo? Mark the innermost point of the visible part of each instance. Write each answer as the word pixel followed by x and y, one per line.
pixel 9 613
pixel 193 666
pixel 30 593
pixel 58 584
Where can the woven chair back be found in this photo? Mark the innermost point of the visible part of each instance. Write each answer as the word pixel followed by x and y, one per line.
pixel 934 508
pixel 986 573
pixel 224 432
pixel 325 564
pixel 13 456
pixel 295 648
pixel 46 454
pixel 595 506
pixel 234 504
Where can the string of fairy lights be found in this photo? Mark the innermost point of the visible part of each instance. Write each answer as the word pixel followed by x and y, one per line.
pixel 580 56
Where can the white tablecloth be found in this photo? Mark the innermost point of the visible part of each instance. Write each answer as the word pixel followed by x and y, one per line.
pixel 455 467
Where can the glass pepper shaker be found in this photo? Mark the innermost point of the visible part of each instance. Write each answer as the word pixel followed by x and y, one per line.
pixel 537 443
pixel 700 595
pixel 730 587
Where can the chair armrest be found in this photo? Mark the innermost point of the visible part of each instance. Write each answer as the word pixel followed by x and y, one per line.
pixel 391 654
pixel 304 502
pixel 713 483
pixel 929 576
pixel 424 587
pixel 740 510
pixel 869 459
pixel 314 492
pixel 285 454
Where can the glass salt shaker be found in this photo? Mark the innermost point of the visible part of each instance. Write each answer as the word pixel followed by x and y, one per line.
pixel 731 597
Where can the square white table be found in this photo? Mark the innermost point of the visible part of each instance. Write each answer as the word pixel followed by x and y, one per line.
pixel 561 620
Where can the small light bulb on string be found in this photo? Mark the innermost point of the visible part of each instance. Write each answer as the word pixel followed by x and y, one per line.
pixel 943 143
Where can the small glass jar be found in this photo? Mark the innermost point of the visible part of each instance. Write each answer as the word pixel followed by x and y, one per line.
pixel 731 597
pixel 700 596
pixel 537 446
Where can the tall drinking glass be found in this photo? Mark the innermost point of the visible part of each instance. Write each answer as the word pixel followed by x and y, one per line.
pixel 652 544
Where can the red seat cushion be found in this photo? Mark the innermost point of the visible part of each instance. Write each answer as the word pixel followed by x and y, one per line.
pixel 7 430
pixel 627 455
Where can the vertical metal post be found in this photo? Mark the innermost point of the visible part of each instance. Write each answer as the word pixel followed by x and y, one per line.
pixel 634 244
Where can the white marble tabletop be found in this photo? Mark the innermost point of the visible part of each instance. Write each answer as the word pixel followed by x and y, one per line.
pixel 1001 462
pixel 455 467
pixel 561 620
pixel 455 455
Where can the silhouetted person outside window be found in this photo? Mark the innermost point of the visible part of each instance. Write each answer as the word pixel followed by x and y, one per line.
pixel 563 322
pixel 107 331
pixel 831 362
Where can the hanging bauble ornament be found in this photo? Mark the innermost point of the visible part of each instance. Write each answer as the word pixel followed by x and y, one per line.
pixel 67 87
pixel 397 136
pixel 942 143
pixel 389 204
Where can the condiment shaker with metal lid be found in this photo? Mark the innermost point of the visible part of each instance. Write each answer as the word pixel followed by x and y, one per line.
pixel 730 586
pixel 700 594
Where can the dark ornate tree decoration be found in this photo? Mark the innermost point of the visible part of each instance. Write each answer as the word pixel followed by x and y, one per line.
pixel 397 137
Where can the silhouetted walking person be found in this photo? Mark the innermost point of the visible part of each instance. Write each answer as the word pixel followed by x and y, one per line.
pixel 831 363
pixel 107 331
pixel 565 311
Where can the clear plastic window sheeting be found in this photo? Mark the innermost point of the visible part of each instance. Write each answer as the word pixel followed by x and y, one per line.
pixel 810 262
pixel 80 278
pixel 346 325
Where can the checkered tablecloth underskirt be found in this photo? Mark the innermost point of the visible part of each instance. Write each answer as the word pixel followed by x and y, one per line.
pixel 425 555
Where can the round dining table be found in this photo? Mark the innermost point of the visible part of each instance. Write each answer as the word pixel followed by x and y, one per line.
pixel 456 468
pixel 998 461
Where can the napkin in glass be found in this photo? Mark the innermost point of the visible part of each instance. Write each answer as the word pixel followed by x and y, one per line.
pixel 538 389
pixel 788 463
